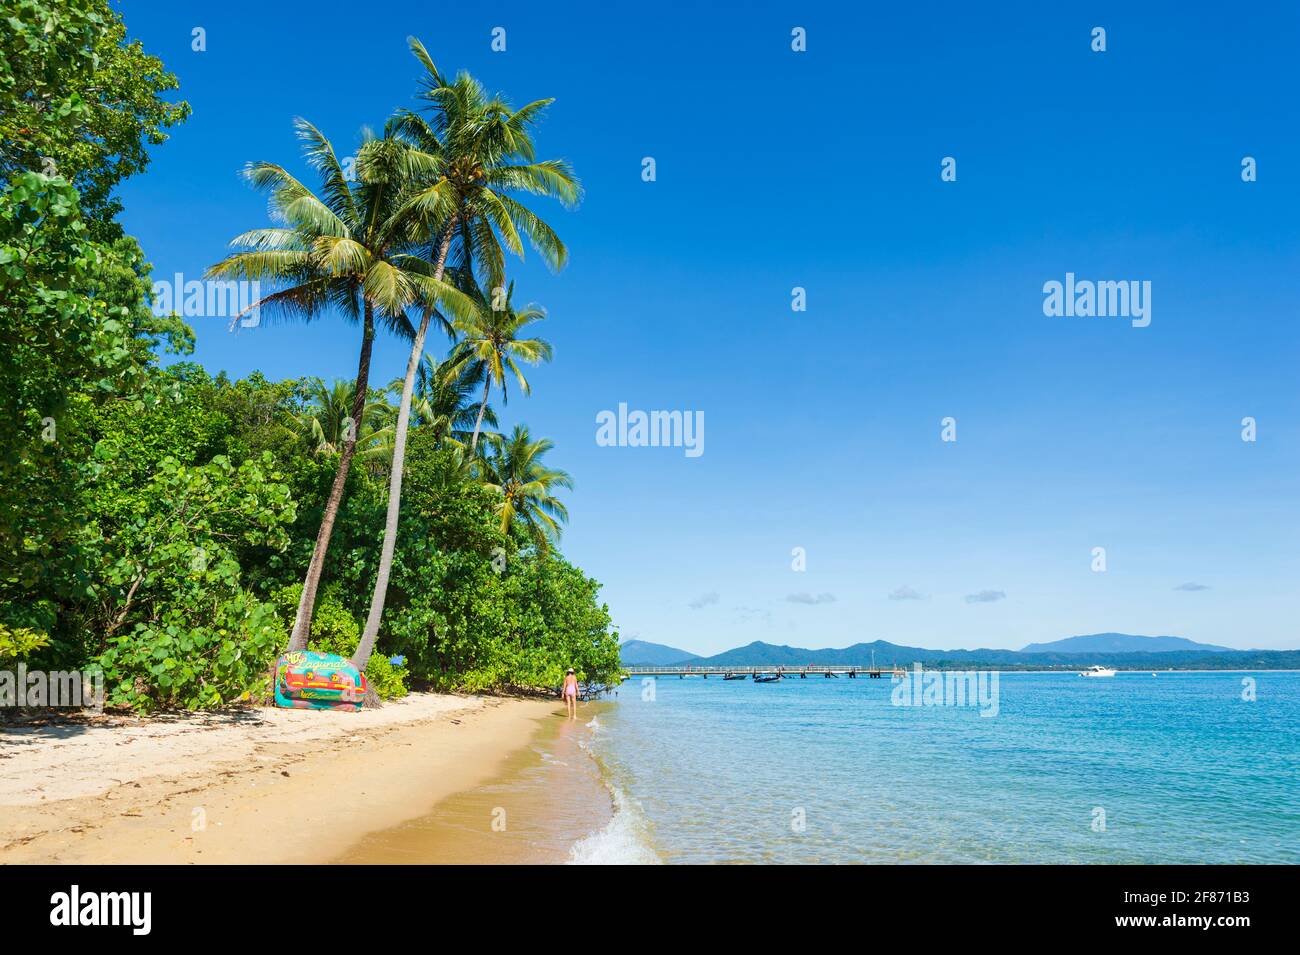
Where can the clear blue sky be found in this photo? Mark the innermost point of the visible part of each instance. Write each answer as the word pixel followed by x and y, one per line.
pixel 821 169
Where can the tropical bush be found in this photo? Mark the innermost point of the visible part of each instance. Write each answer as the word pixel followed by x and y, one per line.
pixel 184 662
pixel 16 644
pixel 200 638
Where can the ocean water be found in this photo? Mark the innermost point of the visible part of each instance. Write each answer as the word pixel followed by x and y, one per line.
pixel 1175 768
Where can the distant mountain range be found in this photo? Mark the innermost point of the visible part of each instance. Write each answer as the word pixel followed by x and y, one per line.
pixel 1121 643
pixel 646 654
pixel 1115 649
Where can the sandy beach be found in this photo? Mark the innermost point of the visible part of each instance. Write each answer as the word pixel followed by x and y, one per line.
pixel 257 785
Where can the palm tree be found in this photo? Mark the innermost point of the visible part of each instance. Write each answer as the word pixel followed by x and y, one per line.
pixel 328 424
pixel 444 398
pixel 484 152
pixel 343 250
pixel 514 470
pixel 492 338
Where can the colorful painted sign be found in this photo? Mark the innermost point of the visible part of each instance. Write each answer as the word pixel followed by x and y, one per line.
pixel 307 680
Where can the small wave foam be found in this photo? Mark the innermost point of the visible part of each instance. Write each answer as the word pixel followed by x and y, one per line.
pixel 624 841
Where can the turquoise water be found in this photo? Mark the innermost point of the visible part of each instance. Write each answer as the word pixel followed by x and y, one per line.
pixel 1184 769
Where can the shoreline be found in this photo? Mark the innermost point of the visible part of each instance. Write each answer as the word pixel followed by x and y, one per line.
pixel 262 785
pixel 547 799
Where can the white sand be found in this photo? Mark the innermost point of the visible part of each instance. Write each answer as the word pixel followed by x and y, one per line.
pixel 259 785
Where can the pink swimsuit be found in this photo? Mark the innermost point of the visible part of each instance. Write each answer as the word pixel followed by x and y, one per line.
pixel 571 689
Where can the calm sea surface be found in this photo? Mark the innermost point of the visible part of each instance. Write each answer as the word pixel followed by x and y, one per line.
pixel 1182 767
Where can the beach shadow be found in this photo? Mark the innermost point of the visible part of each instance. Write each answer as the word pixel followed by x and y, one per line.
pixel 43 725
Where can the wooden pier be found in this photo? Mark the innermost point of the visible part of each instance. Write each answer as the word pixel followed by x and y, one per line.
pixel 788 672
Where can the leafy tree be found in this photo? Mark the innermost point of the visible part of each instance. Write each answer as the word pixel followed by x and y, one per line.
pixel 260 415
pixel 75 332
pixel 78 109
pixel 178 627
pixel 18 643
pixel 78 101
pixel 572 628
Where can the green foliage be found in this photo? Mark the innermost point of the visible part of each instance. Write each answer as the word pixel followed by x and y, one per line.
pixel 17 644
pixel 78 101
pixel 75 333
pixel 387 678
pixel 69 305
pixel 524 487
pixel 470 607
pixel 199 638
pixel 195 656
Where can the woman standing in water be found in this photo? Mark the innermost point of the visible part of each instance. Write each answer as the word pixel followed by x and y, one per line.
pixel 570 694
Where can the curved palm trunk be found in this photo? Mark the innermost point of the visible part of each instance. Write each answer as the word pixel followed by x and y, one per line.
pixel 367 644
pixel 307 603
pixel 479 423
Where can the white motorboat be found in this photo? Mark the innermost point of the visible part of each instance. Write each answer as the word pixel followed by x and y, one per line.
pixel 1098 671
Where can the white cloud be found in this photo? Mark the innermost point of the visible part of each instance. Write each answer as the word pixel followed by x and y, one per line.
pixel 806 598
pixel 705 600
pixel 985 597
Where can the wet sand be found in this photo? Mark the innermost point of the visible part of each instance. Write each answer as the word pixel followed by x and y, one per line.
pixel 543 799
